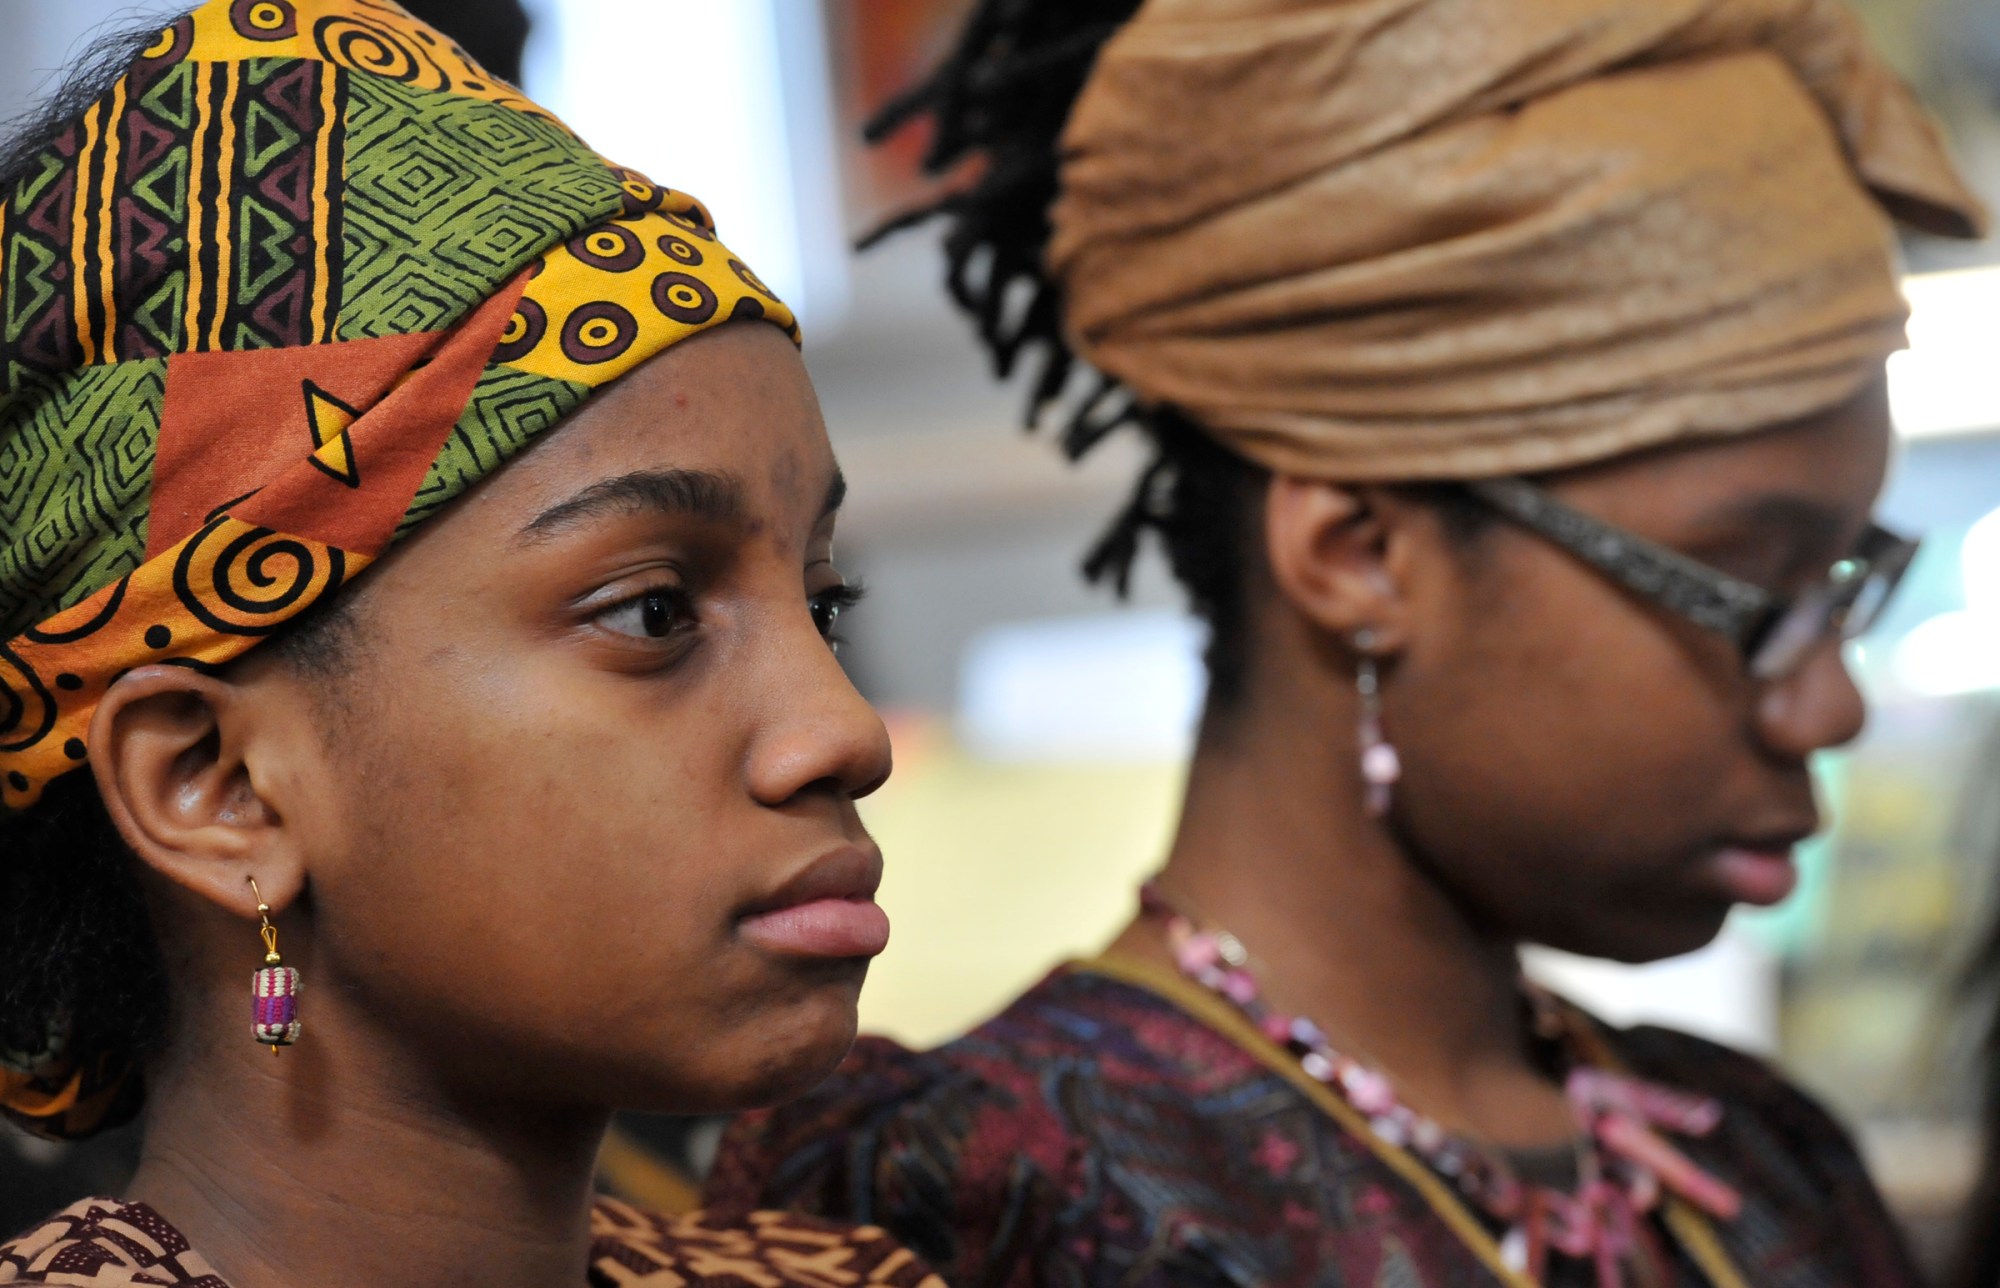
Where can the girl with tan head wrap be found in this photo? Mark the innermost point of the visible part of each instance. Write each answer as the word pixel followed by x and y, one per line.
pixel 1516 373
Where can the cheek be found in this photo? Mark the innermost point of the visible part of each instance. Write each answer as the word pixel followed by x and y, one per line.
pixel 550 857
pixel 1565 714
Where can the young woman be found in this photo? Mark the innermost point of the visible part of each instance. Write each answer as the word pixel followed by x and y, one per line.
pixel 1516 373
pixel 375 873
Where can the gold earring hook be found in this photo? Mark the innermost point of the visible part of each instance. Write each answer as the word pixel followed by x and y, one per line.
pixel 267 931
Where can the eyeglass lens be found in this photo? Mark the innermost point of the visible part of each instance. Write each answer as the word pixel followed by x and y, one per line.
pixel 1847 603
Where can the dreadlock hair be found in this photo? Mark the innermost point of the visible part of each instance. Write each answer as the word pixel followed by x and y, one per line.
pixel 1000 99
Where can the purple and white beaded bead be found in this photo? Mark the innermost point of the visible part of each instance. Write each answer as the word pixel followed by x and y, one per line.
pixel 274 993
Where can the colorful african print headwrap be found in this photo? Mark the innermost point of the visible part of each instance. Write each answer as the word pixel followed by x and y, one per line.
pixel 305 274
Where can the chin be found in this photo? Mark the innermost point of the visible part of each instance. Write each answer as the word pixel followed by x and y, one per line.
pixel 1643 937
pixel 787 1075
pixel 782 1053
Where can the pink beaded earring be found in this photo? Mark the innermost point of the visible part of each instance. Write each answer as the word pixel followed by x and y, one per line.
pixel 1381 766
pixel 274 990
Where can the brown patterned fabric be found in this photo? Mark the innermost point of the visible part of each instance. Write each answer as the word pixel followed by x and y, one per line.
pixel 1399 239
pixel 103 1243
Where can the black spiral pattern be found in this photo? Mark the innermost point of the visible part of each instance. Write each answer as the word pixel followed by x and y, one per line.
pixel 96 622
pixel 239 580
pixel 365 47
pixel 27 708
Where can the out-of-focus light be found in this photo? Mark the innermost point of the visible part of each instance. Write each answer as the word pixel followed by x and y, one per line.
pixel 1947 382
pixel 1950 654
pixel 1959 652
pixel 1979 564
pixel 727 101
pixel 1123 686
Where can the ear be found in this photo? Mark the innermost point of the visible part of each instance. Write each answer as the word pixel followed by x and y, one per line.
pixel 1335 553
pixel 168 748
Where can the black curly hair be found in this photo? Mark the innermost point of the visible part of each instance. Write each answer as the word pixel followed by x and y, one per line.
pixel 997 103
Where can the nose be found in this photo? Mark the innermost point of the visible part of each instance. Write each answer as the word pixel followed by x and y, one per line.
pixel 1817 707
pixel 821 735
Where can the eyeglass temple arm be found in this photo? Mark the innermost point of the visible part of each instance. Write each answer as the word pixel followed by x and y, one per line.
pixel 1701 594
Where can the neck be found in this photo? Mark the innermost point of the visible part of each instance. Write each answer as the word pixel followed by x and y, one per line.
pixel 1347 929
pixel 312 1170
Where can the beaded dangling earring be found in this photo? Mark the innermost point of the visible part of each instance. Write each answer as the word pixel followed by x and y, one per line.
pixel 274 990
pixel 1381 766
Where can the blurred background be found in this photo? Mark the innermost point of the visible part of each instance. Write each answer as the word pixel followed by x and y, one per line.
pixel 1040 725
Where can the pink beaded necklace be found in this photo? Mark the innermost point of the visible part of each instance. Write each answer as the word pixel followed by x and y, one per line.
pixel 1625 1166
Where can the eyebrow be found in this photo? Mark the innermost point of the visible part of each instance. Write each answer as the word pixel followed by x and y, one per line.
pixel 836 494
pixel 693 493
pixel 1784 512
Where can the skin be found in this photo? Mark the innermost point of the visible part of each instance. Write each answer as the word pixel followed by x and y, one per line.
pixel 1574 756
pixel 510 844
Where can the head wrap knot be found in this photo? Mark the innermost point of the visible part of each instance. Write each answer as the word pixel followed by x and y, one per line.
pixel 1380 239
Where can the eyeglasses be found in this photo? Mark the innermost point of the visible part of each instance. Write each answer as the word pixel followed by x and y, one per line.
pixel 1774 634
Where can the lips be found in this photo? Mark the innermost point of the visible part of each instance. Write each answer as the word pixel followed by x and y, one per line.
pixel 1758 869
pixel 827 910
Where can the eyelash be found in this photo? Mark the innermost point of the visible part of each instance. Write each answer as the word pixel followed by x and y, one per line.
pixel 828 606
pixel 672 601
pixel 676 609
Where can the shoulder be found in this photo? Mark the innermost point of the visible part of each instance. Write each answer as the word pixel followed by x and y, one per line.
pixel 750 1249
pixel 105 1242
pixel 1743 1083
pixel 989 1154
pixel 1803 1181
pixel 1008 1096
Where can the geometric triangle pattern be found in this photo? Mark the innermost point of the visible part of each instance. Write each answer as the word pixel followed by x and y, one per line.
pixel 304 275
pixel 328 418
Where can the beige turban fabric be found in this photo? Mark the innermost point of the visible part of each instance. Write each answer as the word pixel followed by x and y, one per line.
pixel 1407 239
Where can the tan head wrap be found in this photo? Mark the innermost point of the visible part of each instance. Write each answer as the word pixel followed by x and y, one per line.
pixel 1382 239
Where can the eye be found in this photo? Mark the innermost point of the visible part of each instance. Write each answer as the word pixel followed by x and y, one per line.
pixel 827 607
pixel 653 614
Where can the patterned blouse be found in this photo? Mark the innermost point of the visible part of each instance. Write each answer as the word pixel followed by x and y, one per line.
pixel 102 1243
pixel 1098 1133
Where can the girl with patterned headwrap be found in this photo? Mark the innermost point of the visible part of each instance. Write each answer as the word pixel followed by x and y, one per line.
pixel 416 596
pixel 1515 369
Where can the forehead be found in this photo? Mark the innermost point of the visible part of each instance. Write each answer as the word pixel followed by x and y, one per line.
pixel 735 401
pixel 1835 461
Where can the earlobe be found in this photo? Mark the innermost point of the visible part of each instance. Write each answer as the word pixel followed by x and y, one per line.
pixel 171 768
pixel 1330 551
